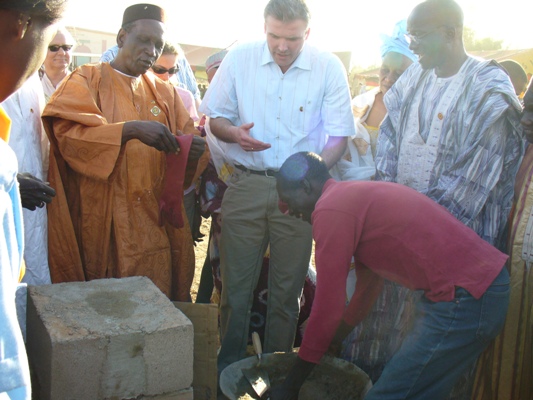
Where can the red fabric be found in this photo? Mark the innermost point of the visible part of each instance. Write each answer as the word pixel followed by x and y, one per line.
pixel 393 232
pixel 283 207
pixel 172 197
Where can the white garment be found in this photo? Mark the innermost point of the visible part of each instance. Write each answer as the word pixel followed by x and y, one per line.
pixel 418 154
pixel 48 87
pixel 293 111
pixel 14 371
pixel 361 167
pixel 24 108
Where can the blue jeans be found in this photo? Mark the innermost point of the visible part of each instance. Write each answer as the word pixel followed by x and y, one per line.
pixel 446 340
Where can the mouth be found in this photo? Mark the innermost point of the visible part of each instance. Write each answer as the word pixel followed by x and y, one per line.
pixel 147 63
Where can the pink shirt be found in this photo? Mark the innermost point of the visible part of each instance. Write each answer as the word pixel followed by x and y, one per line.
pixel 188 101
pixel 396 233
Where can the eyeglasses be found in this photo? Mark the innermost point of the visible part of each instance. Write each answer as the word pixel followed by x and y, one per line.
pixel 418 37
pixel 160 70
pixel 54 48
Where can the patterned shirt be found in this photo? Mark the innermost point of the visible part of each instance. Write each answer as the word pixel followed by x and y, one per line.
pixel 474 131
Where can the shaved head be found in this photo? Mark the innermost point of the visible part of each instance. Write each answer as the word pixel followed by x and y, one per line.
pixel 441 12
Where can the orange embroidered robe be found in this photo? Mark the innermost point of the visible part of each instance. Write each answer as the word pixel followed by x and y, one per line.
pixel 104 221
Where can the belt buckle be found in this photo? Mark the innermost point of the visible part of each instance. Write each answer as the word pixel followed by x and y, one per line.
pixel 270 173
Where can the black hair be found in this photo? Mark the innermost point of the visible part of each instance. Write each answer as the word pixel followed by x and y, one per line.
pixel 302 165
pixel 49 11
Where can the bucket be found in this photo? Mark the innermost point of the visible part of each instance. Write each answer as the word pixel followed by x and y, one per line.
pixel 332 379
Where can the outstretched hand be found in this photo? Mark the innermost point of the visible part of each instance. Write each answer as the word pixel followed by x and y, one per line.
pixel 247 142
pixel 34 193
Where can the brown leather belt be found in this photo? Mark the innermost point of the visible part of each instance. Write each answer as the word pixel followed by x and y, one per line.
pixel 269 173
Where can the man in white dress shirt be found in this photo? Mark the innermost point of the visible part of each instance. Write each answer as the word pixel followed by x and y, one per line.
pixel 268 100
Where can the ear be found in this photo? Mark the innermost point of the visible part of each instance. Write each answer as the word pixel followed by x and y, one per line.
pixel 121 35
pixel 265 27
pixel 307 33
pixel 307 186
pixel 23 23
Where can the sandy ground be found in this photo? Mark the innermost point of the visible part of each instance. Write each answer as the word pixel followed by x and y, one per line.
pixel 200 252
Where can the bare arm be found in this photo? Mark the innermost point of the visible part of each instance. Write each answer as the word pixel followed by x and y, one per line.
pixel 333 150
pixel 224 130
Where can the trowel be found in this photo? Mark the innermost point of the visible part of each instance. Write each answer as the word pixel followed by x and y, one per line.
pixel 257 376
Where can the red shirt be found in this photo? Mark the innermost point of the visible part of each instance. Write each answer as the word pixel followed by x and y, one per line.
pixel 396 233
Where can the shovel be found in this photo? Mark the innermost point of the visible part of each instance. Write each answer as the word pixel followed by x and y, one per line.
pixel 257 376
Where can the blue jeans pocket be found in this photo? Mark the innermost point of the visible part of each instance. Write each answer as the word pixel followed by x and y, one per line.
pixel 494 303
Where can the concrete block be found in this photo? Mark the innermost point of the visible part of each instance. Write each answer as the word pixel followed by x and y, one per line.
pixel 185 394
pixel 204 318
pixel 108 339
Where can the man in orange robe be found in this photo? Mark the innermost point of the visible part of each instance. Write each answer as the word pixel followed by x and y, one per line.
pixel 110 126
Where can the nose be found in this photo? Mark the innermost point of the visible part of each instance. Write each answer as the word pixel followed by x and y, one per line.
pixel 151 50
pixel 388 77
pixel 282 45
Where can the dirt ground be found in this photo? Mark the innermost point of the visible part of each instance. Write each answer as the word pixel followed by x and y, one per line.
pixel 200 252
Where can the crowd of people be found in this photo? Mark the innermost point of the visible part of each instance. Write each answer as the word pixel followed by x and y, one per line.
pixel 417 194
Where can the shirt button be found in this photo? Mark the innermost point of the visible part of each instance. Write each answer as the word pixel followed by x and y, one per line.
pixel 440 116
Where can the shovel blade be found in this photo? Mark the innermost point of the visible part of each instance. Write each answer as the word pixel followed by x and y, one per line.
pixel 258 378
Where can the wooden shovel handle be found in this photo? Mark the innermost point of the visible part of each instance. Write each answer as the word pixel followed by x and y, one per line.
pixel 257 344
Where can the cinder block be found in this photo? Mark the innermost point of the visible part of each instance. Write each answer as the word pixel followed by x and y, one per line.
pixel 204 318
pixel 108 339
pixel 185 394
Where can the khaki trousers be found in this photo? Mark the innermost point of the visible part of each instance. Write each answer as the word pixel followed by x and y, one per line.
pixel 251 220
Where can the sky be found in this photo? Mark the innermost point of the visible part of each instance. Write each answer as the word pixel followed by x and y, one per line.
pixel 336 25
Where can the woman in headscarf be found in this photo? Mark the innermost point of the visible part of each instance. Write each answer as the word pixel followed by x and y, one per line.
pixel 369 109
pixel 373 342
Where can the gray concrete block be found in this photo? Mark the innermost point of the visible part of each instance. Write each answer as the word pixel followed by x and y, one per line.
pixel 108 339
pixel 185 394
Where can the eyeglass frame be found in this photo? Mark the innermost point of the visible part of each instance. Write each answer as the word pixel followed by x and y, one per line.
pixel 417 38
pixel 171 71
pixel 66 47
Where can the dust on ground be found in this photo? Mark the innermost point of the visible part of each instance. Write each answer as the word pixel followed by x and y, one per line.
pixel 200 251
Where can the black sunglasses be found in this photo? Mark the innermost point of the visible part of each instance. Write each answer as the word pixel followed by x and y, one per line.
pixel 160 70
pixel 55 47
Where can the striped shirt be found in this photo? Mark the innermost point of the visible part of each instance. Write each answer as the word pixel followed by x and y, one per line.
pixel 295 111
pixel 479 144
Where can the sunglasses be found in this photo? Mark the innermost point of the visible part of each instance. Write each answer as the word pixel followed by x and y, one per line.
pixel 160 70
pixel 54 48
